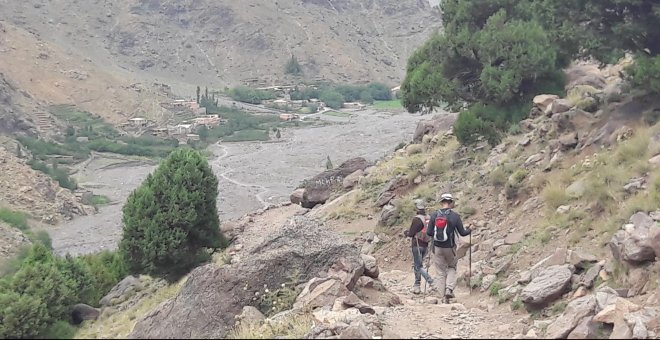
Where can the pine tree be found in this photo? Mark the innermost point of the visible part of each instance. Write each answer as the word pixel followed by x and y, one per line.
pixel 328 164
pixel 172 218
pixel 198 91
pixel 278 135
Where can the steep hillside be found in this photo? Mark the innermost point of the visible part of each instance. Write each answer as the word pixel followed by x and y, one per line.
pixel 27 190
pixel 565 214
pixel 219 43
pixel 39 73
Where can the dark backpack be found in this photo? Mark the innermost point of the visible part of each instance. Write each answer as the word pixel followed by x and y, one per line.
pixel 441 224
pixel 422 236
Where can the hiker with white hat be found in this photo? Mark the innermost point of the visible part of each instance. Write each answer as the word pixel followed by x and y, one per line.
pixel 443 226
pixel 419 246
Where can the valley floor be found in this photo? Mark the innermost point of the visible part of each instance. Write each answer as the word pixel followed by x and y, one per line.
pixel 251 174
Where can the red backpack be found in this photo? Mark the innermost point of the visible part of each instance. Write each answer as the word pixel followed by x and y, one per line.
pixel 421 235
pixel 441 222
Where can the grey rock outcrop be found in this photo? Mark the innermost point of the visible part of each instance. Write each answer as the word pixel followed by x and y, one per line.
pixel 212 296
pixel 634 243
pixel 319 188
pixel 548 286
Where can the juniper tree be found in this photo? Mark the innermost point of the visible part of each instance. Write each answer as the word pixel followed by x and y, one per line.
pixel 171 219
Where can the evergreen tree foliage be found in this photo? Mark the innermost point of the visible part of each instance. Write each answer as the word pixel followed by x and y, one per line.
pixel 293 66
pixel 328 163
pixel 172 218
pixel 498 54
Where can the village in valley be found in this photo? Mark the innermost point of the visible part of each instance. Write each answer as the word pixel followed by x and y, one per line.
pixel 189 115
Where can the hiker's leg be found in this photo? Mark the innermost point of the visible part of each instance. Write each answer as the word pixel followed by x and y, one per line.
pixel 441 267
pixel 452 260
pixel 423 271
pixel 417 260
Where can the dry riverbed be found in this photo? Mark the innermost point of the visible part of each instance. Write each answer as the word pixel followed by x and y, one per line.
pixel 251 174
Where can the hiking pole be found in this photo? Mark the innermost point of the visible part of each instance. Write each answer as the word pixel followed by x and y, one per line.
pixel 470 265
pixel 421 260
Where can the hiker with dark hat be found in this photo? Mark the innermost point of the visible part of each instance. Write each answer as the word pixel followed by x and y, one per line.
pixel 443 226
pixel 420 242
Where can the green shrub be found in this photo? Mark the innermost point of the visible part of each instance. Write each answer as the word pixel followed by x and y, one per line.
pixel 107 268
pixel 36 298
pixel 498 177
pixel 293 66
pixel 59 330
pixel 15 219
pixel 644 73
pixel 249 95
pixel 57 174
pixel 332 99
pixel 469 127
pixel 279 299
pixel 23 316
pixel 43 237
pixel 514 129
pixel 494 289
pixel 172 218
pixel 516 304
pixel 100 200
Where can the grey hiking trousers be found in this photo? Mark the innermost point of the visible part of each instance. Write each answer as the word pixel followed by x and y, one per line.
pixel 444 261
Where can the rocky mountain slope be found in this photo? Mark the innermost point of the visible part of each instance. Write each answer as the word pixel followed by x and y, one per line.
pixel 218 43
pixel 566 224
pixel 37 73
pixel 34 193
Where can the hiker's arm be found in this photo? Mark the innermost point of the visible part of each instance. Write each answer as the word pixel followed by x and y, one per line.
pixel 429 228
pixel 415 227
pixel 459 226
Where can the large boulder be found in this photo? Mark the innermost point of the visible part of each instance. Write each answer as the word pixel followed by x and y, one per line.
pixel 542 101
pixel 318 189
pixel 635 243
pixel 370 266
pixel 82 312
pixel 323 294
pixel 573 314
pixel 212 296
pixel 121 291
pixel 548 286
pixel 586 329
pixel 352 180
pixel 437 123
pixel 296 196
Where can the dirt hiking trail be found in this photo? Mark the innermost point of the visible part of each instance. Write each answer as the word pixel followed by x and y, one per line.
pixel 475 315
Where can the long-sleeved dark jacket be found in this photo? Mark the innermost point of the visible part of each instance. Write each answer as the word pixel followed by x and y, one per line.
pixel 454 224
pixel 416 226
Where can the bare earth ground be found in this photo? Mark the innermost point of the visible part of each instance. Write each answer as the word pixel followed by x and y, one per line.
pixel 251 175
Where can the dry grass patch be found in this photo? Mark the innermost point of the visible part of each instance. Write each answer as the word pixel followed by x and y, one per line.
pixel 437 166
pixel 426 191
pixel 294 326
pixel 349 207
pixel 575 94
pixel 404 208
pixel 498 177
pixel 634 149
pixel 120 324
pixel 414 149
pixel 554 195
pixel 604 186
